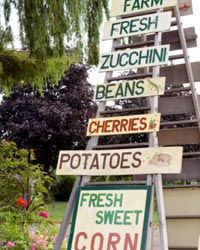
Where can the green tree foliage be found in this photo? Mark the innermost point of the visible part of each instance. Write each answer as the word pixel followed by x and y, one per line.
pixel 50 122
pixel 48 31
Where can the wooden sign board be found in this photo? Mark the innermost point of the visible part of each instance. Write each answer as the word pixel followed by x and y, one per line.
pixel 125 7
pixel 123 124
pixel 130 89
pixel 178 136
pixel 161 160
pixel 183 233
pixel 110 218
pixel 137 25
pixel 172 37
pixel 176 74
pixel 134 58
pixel 190 171
pixel 175 204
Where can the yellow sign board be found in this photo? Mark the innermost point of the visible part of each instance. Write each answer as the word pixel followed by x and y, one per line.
pixel 137 25
pixel 161 160
pixel 134 58
pixel 126 7
pixel 130 89
pixel 131 124
pixel 108 218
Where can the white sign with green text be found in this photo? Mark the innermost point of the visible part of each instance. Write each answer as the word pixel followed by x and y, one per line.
pixel 137 25
pixel 130 89
pixel 124 7
pixel 108 218
pixel 134 58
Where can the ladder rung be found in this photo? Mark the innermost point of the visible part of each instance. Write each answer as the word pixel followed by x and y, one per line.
pixel 111 183
pixel 120 111
pixel 130 77
pixel 135 45
pixel 174 23
pixel 188 154
pixel 175 57
pixel 122 146
pixel 178 89
pixel 183 217
pixel 178 122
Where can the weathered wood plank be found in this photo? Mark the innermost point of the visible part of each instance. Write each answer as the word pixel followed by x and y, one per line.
pixel 126 8
pixel 175 204
pixel 123 125
pixel 166 106
pixel 185 7
pixel 179 136
pixel 155 23
pixel 172 38
pixel 176 74
pixel 190 171
pixel 120 162
pixel 176 105
pixel 183 232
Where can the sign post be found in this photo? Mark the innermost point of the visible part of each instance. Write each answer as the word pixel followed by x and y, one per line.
pixel 120 162
pixel 110 218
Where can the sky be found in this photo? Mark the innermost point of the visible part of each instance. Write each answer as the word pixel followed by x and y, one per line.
pixel 188 21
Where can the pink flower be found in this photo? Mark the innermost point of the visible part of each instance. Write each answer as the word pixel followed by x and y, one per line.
pixel 43 214
pixel 33 247
pixel 10 244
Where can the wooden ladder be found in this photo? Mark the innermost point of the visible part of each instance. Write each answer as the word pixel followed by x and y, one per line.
pixel 150 106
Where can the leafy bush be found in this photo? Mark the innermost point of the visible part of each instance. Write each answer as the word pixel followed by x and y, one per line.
pixel 23 225
pixel 62 187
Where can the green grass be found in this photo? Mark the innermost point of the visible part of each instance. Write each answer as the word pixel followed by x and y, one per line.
pixel 57 210
pixel 155 217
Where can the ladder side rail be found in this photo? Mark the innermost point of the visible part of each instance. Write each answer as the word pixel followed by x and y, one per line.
pixel 188 64
pixel 153 142
pixel 80 180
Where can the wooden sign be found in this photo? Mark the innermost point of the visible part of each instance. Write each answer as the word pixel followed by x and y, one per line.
pixel 120 162
pixel 182 206
pixel 124 7
pixel 134 58
pixel 110 218
pixel 137 25
pixel 130 89
pixel 123 124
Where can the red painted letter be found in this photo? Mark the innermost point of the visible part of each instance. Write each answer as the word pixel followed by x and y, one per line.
pixel 77 241
pixel 113 240
pixel 129 244
pixel 93 241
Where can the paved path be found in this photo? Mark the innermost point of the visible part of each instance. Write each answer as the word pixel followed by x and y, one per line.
pixel 156 239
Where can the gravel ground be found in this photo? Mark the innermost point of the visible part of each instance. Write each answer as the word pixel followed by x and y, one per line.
pixel 156 239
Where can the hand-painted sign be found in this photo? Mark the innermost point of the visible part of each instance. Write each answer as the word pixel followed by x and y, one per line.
pixel 110 218
pixel 134 58
pixel 124 7
pixel 137 25
pixel 130 89
pixel 124 124
pixel 161 160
